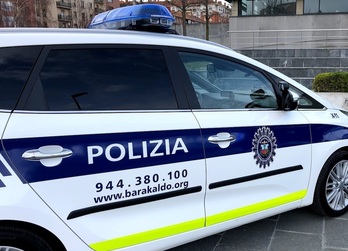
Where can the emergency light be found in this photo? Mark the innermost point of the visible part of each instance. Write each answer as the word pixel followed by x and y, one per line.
pixel 148 17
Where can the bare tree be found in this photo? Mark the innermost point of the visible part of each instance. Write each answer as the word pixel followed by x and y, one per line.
pixel 15 13
pixel 189 5
pixel 42 13
pixel 183 6
pixel 21 13
pixel 6 17
pixel 83 11
pixel 207 18
pixel 208 14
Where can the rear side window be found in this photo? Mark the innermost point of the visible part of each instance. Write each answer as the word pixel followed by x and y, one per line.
pixel 15 66
pixel 106 79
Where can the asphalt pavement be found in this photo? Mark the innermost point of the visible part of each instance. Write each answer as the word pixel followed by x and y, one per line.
pixel 297 230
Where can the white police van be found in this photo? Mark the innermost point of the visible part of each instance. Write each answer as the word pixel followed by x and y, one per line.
pixel 127 140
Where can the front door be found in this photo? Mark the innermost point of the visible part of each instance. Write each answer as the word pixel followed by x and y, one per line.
pixel 257 155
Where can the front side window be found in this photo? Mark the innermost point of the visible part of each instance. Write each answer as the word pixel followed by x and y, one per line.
pixel 325 6
pixel 106 79
pixel 304 100
pixel 223 84
pixel 267 7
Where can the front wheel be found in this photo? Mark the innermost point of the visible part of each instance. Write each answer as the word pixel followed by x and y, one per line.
pixel 331 192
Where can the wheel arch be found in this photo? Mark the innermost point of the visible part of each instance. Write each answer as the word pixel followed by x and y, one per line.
pixel 343 149
pixel 42 232
pixel 315 197
pixel 315 172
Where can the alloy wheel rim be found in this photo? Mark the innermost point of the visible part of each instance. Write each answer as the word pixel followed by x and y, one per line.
pixel 337 186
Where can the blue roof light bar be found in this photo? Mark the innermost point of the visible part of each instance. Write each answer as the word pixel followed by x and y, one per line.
pixel 147 17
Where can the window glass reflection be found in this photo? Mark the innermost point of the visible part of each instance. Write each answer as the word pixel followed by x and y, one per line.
pixel 267 7
pixel 106 79
pixel 325 6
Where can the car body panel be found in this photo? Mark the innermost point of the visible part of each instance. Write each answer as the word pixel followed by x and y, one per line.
pixel 151 180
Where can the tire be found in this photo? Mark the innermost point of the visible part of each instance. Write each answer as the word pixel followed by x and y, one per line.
pixel 331 192
pixel 18 239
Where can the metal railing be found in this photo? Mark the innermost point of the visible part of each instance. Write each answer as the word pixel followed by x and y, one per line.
pixel 61 4
pixel 66 18
pixel 289 39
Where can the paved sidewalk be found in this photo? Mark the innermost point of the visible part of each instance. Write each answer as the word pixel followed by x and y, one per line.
pixel 297 230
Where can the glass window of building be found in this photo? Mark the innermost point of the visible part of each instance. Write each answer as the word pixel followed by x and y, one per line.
pixel 266 7
pixel 325 6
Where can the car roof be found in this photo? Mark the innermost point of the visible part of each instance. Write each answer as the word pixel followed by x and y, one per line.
pixel 51 36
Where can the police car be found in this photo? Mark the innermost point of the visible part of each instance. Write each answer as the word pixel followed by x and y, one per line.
pixel 128 140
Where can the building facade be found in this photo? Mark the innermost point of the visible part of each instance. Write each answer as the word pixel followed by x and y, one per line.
pixel 78 13
pixel 219 11
pixel 52 13
pixel 288 23
pixel 289 7
pixel 301 38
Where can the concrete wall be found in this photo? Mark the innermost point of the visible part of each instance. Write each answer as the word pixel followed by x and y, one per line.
pixel 324 21
pixel 336 98
pixel 217 33
pixel 303 65
pixel 240 38
pixel 234 34
pixel 301 61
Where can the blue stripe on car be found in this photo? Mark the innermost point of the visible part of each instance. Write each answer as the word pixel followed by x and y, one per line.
pixel 3 170
pixel 325 133
pixel 77 164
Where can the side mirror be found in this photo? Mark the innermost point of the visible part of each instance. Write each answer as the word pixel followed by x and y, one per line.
pixel 288 102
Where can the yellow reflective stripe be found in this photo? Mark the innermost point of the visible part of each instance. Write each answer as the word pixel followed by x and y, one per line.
pixel 243 211
pixel 159 233
pixel 151 235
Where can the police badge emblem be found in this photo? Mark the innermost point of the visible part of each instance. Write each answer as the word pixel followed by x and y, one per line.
pixel 264 145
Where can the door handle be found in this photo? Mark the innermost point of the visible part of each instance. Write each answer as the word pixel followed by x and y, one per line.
pixel 38 155
pixel 51 155
pixel 223 139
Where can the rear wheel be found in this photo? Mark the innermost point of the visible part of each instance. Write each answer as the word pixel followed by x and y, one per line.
pixel 331 193
pixel 18 239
